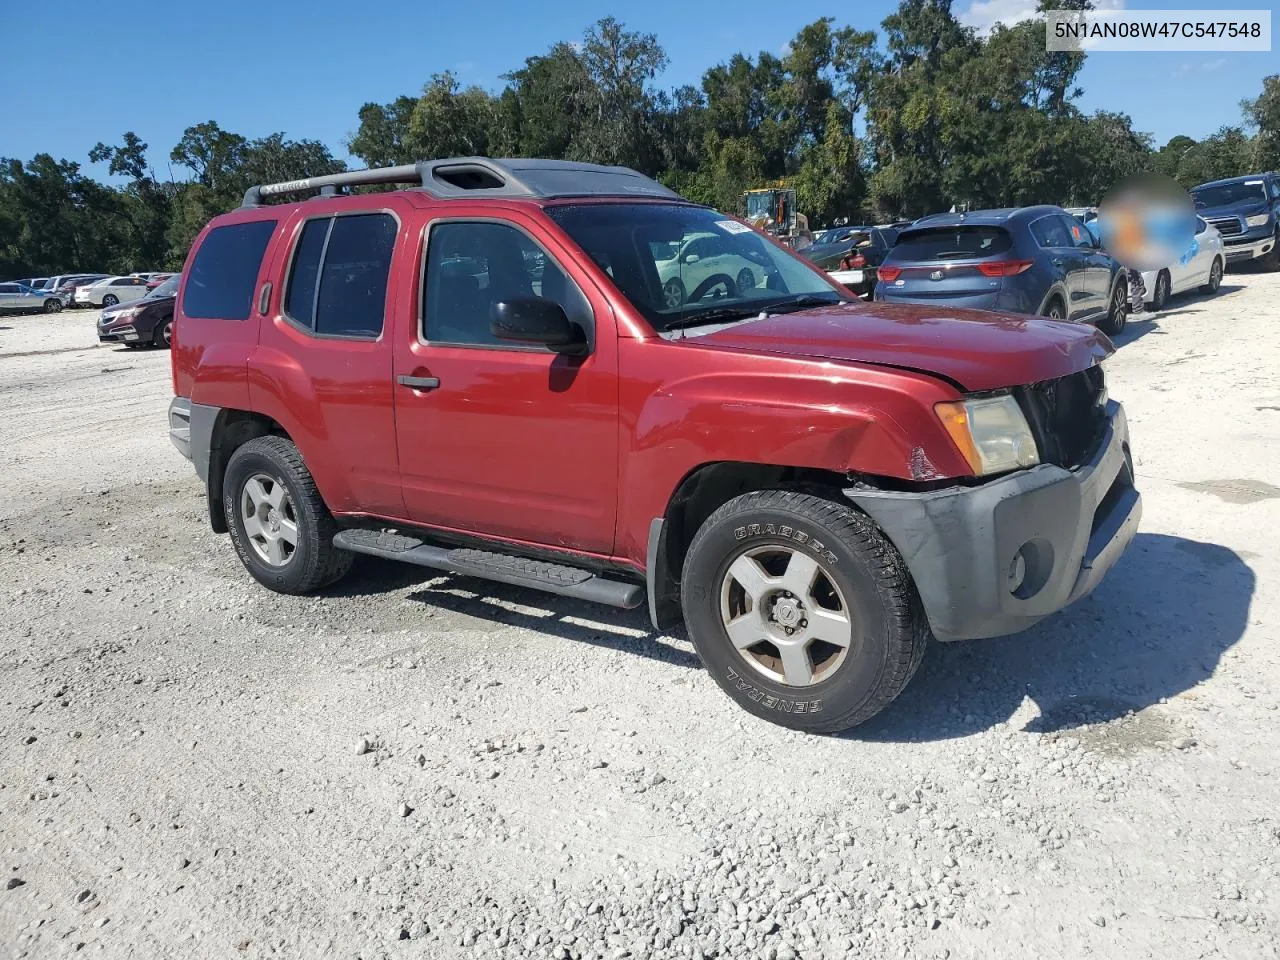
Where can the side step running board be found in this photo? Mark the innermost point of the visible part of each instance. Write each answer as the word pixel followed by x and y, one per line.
pixel 518 571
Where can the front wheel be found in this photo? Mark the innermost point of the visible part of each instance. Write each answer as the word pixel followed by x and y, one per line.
pixel 802 610
pixel 163 336
pixel 1215 277
pixel 673 294
pixel 746 280
pixel 279 524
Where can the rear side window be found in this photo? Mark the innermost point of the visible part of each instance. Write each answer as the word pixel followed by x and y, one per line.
pixel 225 270
pixel 952 243
pixel 338 282
pixel 1051 232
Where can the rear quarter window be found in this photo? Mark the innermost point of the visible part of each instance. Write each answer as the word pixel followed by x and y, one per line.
pixel 952 243
pixel 225 270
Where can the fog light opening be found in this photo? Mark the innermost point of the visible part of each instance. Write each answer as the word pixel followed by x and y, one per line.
pixel 1017 572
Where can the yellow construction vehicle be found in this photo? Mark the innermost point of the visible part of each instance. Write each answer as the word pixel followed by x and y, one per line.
pixel 772 210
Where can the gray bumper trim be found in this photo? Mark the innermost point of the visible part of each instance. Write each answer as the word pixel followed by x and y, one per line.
pixel 180 425
pixel 961 543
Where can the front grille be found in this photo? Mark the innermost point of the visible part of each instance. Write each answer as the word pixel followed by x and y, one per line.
pixel 1066 415
pixel 1228 226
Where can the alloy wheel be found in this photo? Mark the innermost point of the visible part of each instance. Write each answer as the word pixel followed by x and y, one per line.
pixel 785 615
pixel 270 522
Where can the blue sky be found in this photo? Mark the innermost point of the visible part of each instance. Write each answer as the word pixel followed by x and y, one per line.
pixel 257 67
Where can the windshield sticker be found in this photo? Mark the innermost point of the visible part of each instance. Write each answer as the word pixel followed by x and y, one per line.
pixel 733 226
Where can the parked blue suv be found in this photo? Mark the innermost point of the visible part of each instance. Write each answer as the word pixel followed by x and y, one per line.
pixel 1246 211
pixel 1036 260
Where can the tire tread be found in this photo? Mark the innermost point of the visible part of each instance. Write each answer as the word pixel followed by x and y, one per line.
pixel 907 626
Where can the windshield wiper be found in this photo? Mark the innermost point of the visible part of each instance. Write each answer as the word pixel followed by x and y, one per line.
pixel 803 302
pixel 716 315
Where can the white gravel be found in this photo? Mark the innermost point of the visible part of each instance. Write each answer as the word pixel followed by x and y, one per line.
pixel 191 766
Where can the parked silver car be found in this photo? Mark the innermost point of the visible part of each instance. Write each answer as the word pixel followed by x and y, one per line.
pixel 21 298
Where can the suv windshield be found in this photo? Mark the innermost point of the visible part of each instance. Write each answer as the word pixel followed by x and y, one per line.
pixel 679 264
pixel 1227 194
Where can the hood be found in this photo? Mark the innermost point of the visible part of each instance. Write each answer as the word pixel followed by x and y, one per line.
pixel 973 348
pixel 1241 208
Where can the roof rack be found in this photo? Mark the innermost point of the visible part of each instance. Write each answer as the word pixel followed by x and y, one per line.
pixel 481 177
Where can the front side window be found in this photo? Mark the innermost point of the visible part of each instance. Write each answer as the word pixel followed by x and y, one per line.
pixel 680 264
pixel 338 282
pixel 471 265
pixel 225 271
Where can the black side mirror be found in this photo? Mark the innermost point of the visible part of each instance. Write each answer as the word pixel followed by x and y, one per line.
pixel 536 320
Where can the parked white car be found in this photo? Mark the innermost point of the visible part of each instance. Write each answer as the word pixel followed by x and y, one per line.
pixel 1203 271
pixel 700 259
pixel 109 292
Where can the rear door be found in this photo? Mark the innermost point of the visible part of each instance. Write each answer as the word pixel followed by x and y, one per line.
pixel 1067 262
pixel 498 438
pixel 324 351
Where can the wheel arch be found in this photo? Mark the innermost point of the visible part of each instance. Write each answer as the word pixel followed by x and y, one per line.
pixel 698 495
pixel 1056 292
pixel 214 438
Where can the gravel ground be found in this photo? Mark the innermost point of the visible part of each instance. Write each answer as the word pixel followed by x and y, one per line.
pixel 192 766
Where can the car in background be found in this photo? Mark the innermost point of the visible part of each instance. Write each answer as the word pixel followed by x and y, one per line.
pixel 67 289
pixel 1033 260
pixel 852 259
pixel 19 298
pixel 1246 211
pixel 156 279
pixel 110 291
pixel 141 322
pixel 1202 268
pixel 1085 215
pixel 689 270
pixel 35 283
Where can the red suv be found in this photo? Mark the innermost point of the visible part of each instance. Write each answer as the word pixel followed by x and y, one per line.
pixel 482 374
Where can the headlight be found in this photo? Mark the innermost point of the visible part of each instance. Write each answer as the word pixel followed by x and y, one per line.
pixel 991 432
pixel 1258 220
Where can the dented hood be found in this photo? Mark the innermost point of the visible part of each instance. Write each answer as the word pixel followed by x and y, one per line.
pixel 973 348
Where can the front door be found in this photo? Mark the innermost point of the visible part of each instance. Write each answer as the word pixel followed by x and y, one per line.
pixel 498 438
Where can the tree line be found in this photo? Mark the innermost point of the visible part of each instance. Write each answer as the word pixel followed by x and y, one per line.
pixel 920 115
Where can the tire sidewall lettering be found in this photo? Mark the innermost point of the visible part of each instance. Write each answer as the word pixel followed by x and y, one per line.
pixel 788 532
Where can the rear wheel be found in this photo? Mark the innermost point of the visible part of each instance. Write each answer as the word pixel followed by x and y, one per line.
pixel 110 300
pixel 1055 310
pixel 1161 296
pixel 746 280
pixel 1117 312
pixel 1215 277
pixel 53 305
pixel 280 526
pixel 801 610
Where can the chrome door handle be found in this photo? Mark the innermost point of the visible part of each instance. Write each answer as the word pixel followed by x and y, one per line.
pixel 418 383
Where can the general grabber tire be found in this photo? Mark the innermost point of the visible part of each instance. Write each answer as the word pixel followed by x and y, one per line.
pixel 774 582
pixel 280 526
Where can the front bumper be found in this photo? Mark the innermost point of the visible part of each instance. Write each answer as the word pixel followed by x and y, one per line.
pixel 996 559
pixel 1246 247
pixel 123 333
